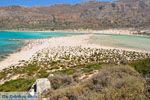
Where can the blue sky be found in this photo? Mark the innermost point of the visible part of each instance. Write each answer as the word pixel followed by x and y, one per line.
pixel 40 2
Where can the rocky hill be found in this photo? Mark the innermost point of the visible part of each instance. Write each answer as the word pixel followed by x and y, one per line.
pixel 90 15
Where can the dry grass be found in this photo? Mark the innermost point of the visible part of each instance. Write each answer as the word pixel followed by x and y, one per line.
pixel 111 83
pixel 60 81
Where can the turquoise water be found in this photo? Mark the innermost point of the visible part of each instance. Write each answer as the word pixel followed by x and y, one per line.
pixel 12 41
pixel 122 41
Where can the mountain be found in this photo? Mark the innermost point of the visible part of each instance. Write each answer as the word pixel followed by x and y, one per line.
pixel 89 15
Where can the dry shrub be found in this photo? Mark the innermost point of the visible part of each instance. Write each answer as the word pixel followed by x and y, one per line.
pixel 60 81
pixel 111 83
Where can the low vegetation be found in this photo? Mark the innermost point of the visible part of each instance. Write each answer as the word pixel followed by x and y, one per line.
pixel 69 71
pixel 88 81
pixel 19 85
pixel 91 67
pixel 60 81
pixel 111 83
pixel 142 66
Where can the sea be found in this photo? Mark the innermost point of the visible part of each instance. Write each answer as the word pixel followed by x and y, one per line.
pixel 135 42
pixel 11 42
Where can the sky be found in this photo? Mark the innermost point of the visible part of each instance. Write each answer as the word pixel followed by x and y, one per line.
pixel 40 2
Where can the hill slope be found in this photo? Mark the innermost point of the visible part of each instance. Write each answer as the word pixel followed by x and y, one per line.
pixel 91 15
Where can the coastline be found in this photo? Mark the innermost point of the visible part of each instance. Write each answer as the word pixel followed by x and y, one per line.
pixel 121 31
pixel 34 46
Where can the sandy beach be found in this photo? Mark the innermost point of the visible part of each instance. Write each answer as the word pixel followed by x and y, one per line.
pixel 125 31
pixel 34 46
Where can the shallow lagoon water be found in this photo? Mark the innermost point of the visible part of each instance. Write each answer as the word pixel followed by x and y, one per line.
pixel 12 41
pixel 122 41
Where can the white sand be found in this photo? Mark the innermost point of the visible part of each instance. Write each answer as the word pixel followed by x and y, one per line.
pixel 128 31
pixel 36 45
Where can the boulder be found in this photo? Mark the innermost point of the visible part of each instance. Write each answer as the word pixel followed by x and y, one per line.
pixel 41 85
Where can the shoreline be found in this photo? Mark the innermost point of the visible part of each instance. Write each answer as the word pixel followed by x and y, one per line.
pixel 34 46
pixel 121 31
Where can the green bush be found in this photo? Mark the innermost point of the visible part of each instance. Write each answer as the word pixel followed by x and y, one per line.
pixel 69 71
pixel 142 66
pixel 43 73
pixel 17 85
pixel 91 67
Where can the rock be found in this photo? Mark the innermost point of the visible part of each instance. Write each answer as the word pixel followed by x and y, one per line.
pixel 41 85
